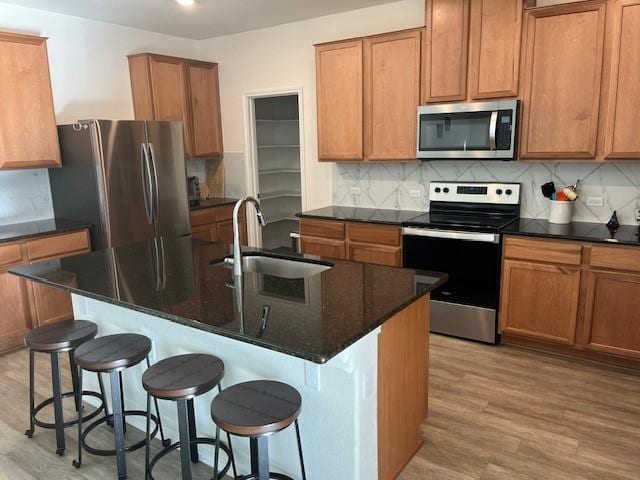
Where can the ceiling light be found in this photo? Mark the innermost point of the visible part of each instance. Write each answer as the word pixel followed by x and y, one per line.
pixel 186 3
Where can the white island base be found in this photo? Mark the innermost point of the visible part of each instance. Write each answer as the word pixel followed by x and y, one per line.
pixel 375 389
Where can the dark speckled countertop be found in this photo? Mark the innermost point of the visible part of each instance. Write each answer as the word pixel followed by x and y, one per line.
pixel 50 226
pixel 358 214
pixel 213 202
pixel 581 231
pixel 314 318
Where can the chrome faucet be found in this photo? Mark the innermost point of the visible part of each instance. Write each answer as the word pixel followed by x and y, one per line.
pixel 237 253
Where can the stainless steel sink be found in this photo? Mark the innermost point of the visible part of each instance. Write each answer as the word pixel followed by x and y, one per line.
pixel 281 267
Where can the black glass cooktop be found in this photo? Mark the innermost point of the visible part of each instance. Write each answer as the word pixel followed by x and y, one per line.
pixel 455 221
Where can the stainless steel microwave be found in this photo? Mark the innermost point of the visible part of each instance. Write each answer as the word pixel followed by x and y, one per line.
pixel 479 130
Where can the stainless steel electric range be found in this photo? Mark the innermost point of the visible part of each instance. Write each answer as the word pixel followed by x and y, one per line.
pixel 461 236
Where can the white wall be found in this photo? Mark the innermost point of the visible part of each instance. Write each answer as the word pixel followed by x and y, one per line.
pixel 89 78
pixel 282 57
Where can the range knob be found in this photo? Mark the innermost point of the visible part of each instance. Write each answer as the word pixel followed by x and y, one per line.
pixel 446 190
pixel 509 191
pixel 499 191
pixel 438 190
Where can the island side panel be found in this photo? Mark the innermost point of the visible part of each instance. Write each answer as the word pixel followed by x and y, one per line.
pixel 403 379
pixel 338 422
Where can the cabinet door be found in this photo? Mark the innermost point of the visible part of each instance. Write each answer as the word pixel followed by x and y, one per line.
pixel 169 86
pixel 28 133
pixel 612 323
pixel 208 233
pixel 539 301
pixel 367 253
pixel 622 133
pixel 392 95
pixel 446 44
pixel 205 107
pixel 561 87
pixel 225 231
pixel 339 97
pixel 15 320
pixel 323 247
pixel 51 304
pixel 494 48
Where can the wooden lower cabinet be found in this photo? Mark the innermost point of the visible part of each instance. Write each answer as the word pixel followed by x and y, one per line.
pixel 204 232
pixel 540 300
pixel 215 224
pixel 16 319
pixel 323 247
pixel 224 231
pixel 380 255
pixel 612 318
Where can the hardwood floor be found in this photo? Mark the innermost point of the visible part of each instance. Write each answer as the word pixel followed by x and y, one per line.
pixel 501 413
pixel 495 413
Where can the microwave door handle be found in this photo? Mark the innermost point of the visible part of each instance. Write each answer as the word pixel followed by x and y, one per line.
pixel 493 124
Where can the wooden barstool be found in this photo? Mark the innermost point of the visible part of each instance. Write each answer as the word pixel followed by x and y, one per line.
pixel 112 354
pixel 258 410
pixel 55 339
pixel 180 379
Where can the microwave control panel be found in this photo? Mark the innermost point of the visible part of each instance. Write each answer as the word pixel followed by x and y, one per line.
pixel 503 130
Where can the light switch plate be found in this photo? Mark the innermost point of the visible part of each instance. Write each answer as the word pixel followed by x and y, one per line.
pixel 312 375
pixel 355 190
pixel 595 201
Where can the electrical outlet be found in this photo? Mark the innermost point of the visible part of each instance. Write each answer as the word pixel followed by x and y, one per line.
pixel 595 201
pixel 638 215
pixel 355 190
pixel 312 375
pixel 415 193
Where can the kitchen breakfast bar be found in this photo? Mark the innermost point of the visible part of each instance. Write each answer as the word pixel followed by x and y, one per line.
pixel 352 338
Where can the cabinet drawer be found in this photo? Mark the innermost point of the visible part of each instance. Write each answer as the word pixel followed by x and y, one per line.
pixel 619 258
pixel 10 254
pixel 203 217
pixel 322 228
pixel 58 245
pixel 568 253
pixel 362 252
pixel 377 234
pixel 323 247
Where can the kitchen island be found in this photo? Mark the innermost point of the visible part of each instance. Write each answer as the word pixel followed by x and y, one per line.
pixel 352 339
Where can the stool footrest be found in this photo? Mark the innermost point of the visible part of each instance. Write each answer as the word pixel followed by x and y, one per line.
pixel 109 419
pixel 70 423
pixel 198 441
pixel 272 476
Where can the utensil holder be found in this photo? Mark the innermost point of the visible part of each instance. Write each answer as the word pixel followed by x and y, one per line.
pixel 560 212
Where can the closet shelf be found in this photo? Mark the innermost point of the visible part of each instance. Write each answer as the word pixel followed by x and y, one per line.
pixel 270 171
pixel 278 146
pixel 278 194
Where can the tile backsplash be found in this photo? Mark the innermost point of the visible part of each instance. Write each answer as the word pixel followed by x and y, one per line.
pixel 390 185
pixel 24 196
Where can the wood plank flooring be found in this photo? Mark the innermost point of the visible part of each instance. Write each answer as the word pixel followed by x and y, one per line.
pixel 501 413
pixel 495 413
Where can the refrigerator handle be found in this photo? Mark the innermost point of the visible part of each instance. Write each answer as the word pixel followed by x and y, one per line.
pixel 156 189
pixel 146 181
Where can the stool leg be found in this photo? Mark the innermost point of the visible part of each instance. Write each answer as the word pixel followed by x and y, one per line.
pixel 185 439
pixel 57 404
pixel 165 441
pixel 192 431
pixel 147 451
pixel 304 475
pixel 217 453
pixel 260 457
pixel 102 392
pixel 233 460
pixel 78 461
pixel 118 424
pixel 29 432
pixel 124 420
pixel 74 379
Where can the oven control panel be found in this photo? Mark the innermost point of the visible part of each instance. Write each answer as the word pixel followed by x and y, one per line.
pixel 475 192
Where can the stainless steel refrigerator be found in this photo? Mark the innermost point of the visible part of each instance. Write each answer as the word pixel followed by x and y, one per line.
pixel 126 178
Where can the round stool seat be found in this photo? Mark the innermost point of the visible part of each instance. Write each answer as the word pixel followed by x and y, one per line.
pixel 183 376
pixel 62 336
pixel 255 409
pixel 112 352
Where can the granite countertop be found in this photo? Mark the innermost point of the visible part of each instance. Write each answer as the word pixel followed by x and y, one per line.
pixel 313 318
pixel 582 231
pixel 357 214
pixel 213 202
pixel 50 226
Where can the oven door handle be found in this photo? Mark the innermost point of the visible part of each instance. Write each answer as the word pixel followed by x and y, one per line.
pixel 452 234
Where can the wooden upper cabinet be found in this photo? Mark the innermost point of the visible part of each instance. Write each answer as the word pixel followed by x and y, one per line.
pixel 178 89
pixel 622 131
pixel 561 80
pixel 340 100
pixel 28 132
pixel 494 48
pixel 392 95
pixel 205 107
pixel 446 46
